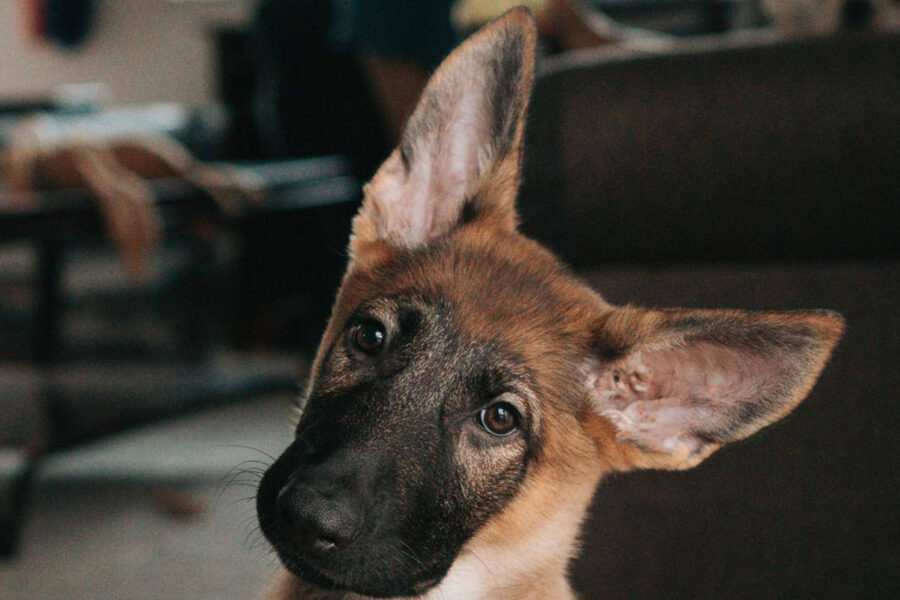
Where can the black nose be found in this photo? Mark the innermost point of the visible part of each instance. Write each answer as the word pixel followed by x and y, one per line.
pixel 320 523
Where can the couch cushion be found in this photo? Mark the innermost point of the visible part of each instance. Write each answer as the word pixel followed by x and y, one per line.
pixel 720 150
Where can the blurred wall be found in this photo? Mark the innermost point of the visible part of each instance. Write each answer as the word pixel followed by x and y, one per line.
pixel 145 50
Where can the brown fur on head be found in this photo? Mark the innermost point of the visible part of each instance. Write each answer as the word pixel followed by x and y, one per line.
pixel 469 392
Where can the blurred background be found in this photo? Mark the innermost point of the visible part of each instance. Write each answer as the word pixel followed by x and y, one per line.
pixel 177 179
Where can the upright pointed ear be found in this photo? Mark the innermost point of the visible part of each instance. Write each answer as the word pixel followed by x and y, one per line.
pixel 674 386
pixel 460 154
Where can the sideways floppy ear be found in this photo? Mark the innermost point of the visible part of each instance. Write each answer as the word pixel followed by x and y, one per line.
pixel 459 157
pixel 674 386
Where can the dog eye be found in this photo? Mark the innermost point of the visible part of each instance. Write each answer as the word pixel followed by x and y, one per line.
pixel 500 419
pixel 368 337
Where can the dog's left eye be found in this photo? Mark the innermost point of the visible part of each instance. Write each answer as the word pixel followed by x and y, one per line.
pixel 368 337
pixel 500 419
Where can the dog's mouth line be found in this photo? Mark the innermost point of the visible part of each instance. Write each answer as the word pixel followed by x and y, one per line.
pixel 303 567
pixel 297 562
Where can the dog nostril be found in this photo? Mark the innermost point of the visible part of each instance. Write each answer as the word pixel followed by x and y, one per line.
pixel 324 535
pixel 286 507
pixel 324 545
pixel 319 524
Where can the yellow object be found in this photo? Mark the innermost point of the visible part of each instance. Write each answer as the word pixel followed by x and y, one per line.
pixel 470 14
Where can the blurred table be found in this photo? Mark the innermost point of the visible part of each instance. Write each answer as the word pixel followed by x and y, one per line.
pixel 87 392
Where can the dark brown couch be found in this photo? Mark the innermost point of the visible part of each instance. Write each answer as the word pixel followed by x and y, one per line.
pixel 754 175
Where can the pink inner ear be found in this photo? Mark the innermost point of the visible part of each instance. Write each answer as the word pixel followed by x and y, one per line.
pixel 416 206
pixel 666 399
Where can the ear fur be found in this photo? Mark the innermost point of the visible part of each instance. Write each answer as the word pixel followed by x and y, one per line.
pixel 459 157
pixel 677 385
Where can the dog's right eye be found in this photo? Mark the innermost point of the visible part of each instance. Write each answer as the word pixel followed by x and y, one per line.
pixel 499 419
pixel 368 337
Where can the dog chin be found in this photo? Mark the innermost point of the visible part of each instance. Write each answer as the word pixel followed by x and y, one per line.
pixel 382 585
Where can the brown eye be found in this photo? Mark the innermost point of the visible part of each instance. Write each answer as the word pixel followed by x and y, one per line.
pixel 500 419
pixel 368 337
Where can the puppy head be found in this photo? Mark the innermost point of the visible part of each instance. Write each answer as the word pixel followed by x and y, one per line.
pixel 468 389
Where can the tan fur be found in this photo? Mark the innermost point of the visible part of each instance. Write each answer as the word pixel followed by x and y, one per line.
pixel 525 550
pixel 577 347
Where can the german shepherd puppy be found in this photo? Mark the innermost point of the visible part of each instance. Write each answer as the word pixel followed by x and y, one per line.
pixel 469 393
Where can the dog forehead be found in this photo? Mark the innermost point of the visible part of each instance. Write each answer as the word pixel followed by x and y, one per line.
pixel 494 281
pixel 511 289
pixel 487 287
